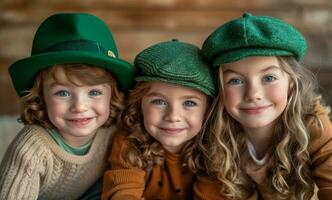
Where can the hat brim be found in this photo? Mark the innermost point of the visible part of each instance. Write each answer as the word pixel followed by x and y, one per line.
pixel 238 54
pixel 24 71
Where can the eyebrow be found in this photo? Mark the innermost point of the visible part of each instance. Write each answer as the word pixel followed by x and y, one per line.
pixel 55 83
pixel 183 97
pixel 272 67
pixel 154 94
pixel 192 97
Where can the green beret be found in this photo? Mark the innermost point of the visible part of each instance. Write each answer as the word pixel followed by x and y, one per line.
pixel 253 36
pixel 177 63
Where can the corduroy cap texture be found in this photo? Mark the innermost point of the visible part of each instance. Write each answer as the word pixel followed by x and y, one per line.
pixel 177 63
pixel 71 38
pixel 253 36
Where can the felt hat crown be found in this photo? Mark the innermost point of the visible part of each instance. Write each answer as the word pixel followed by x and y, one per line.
pixel 71 38
pixel 253 36
pixel 177 63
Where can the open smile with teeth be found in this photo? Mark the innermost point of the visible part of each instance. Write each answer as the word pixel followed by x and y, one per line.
pixel 80 121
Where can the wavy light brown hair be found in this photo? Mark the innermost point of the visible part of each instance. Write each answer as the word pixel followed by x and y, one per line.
pixel 289 171
pixel 33 110
pixel 145 151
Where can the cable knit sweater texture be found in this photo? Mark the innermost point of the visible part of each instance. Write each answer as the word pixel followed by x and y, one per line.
pixel 35 166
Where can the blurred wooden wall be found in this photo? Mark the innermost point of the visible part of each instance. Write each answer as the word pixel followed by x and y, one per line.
pixel 137 24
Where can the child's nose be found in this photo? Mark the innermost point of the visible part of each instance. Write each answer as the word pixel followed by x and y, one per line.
pixel 253 92
pixel 173 114
pixel 79 104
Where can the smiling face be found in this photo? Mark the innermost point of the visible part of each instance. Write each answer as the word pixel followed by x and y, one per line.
pixel 76 111
pixel 173 114
pixel 255 91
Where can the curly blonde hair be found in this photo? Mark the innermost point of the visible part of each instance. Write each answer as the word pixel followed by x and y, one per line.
pixel 146 152
pixel 33 110
pixel 289 169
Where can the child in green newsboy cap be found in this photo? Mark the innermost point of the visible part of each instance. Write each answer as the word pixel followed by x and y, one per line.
pixel 156 155
pixel 276 136
pixel 71 89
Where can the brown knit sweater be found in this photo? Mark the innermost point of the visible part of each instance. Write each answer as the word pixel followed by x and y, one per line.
pixel 320 149
pixel 35 166
pixel 166 182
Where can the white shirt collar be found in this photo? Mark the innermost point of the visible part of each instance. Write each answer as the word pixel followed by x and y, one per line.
pixel 253 155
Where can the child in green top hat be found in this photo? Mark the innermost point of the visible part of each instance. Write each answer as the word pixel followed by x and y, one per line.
pixel 157 153
pixel 267 114
pixel 71 89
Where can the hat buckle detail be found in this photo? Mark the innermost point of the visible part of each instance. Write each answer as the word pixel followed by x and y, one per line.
pixel 111 54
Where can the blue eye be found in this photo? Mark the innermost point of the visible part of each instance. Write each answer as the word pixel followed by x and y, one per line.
pixel 94 93
pixel 189 103
pixel 235 81
pixel 62 93
pixel 269 78
pixel 158 102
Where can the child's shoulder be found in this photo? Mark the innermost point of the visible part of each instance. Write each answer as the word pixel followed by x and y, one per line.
pixel 120 144
pixel 318 120
pixel 31 133
pixel 120 138
pixel 320 129
pixel 28 144
pixel 105 134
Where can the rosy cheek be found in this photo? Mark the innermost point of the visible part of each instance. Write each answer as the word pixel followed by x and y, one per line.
pixel 149 115
pixel 279 95
pixel 53 105
pixel 50 104
pixel 103 104
pixel 231 96
pixel 282 100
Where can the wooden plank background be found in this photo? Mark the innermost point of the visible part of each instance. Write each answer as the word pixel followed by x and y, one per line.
pixel 137 24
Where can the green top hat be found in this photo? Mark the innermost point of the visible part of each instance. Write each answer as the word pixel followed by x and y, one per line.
pixel 253 36
pixel 177 63
pixel 71 38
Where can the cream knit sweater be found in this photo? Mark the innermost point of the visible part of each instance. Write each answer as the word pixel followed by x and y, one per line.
pixel 35 166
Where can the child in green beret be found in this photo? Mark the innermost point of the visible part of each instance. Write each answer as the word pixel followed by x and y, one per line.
pixel 156 155
pixel 267 115
pixel 69 89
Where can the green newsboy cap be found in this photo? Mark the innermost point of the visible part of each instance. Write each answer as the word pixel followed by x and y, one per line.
pixel 253 36
pixel 71 38
pixel 177 63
